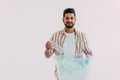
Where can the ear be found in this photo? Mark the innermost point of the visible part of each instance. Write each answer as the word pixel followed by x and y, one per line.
pixel 75 19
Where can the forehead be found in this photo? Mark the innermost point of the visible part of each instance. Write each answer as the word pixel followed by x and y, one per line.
pixel 69 15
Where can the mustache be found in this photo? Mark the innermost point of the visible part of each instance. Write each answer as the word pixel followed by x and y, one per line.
pixel 69 22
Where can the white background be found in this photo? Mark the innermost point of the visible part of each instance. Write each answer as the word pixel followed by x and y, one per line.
pixel 26 25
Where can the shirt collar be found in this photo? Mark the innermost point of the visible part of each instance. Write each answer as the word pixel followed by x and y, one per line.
pixel 65 32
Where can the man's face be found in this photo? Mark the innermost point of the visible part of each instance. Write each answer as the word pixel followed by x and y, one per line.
pixel 69 20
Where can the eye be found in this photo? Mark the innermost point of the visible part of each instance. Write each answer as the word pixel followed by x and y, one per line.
pixel 67 18
pixel 71 17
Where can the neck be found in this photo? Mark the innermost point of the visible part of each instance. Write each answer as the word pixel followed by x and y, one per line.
pixel 69 30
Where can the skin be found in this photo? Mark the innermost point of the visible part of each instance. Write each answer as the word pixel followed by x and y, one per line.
pixel 69 20
pixel 48 53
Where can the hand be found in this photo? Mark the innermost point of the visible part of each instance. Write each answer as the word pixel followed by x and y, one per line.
pixel 48 46
pixel 48 52
pixel 88 53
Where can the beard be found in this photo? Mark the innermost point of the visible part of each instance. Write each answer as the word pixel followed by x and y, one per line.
pixel 69 25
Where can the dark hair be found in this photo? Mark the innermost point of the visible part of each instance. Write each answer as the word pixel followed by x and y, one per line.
pixel 69 10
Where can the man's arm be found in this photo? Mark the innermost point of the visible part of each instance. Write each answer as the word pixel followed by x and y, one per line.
pixel 86 49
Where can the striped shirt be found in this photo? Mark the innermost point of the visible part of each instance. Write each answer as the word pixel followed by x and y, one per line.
pixel 81 43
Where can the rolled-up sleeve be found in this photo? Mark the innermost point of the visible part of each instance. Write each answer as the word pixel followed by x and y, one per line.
pixel 85 44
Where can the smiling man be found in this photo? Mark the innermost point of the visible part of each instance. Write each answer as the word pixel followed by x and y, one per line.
pixel 70 47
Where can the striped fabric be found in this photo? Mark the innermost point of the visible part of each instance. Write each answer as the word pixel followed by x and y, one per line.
pixel 81 43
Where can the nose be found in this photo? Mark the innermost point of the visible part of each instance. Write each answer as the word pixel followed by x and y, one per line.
pixel 69 20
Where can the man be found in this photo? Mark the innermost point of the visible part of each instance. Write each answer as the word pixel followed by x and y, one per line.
pixel 70 40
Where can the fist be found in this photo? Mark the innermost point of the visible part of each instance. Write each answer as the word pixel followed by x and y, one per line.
pixel 48 45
